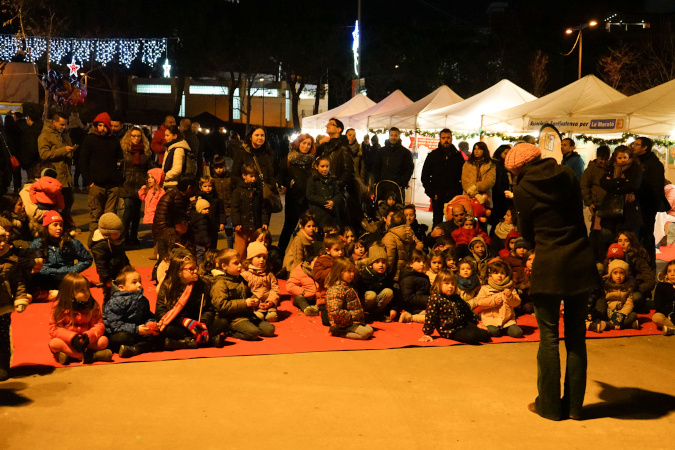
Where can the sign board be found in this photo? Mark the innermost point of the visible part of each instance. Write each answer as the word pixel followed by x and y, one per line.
pixel 598 124
pixel 549 142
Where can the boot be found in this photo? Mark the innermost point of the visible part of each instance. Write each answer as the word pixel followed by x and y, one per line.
pixel 127 351
pixel 62 358
pixel 91 356
pixel 4 366
pixel 218 341
pixel 173 344
pixel 668 331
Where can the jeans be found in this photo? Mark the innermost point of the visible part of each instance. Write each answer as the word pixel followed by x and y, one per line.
pixel 470 334
pixel 547 311
pixel 131 218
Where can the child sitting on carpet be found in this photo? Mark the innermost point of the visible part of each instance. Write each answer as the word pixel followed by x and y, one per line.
pixel 468 284
pixel 234 301
pixel 618 303
pixel 107 250
pixel 76 326
pixel 415 288
pixel 262 283
pixel 664 300
pixel 465 233
pixel 275 258
pixel 479 253
pixel 348 236
pixel 344 307
pixel 333 249
pixel 436 263
pixel 375 284
pixel 301 247
pixel 129 324
pixel 357 250
pixel 498 299
pixel 302 287
pixel 450 315
pixel 516 260
pixel 186 317
pixel 450 259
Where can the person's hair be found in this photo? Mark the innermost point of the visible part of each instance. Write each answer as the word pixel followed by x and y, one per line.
pixel 267 239
pixel 343 231
pixel 501 149
pixel 486 153
pixel 315 164
pixel 350 129
pixel 338 123
pixel 185 122
pixel 70 284
pixel 450 253
pixel 417 255
pixel 623 149
pixel 208 263
pixel 445 240
pixel 249 136
pixel 464 146
pixel 391 195
pixel 295 145
pixel 219 162
pixel 443 276
pixel 410 206
pixel 498 266
pixel 527 256
pixel 394 129
pixel 470 262
pixel 351 247
pixel 514 215
pixel 184 182
pixel 602 152
pixel 65 240
pixel 469 219
pixel 125 143
pixel 646 142
pixel 204 180
pixel 122 276
pixel 436 254
pixel 172 286
pixel 570 140
pixel 306 217
pixel 247 169
pixel 340 265
pixel 330 240
pixel 444 131
pixel 173 129
pixel 58 116
pixel 634 244
pixel 8 202
pixel 529 139
pixel 224 256
pixel 663 274
pixel 330 229
pixel 397 219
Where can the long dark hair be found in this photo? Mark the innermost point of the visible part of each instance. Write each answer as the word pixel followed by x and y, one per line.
pixel 483 159
pixel 172 287
pixel 64 241
pixel 71 283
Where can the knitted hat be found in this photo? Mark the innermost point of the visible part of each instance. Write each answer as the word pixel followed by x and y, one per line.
pixel 48 172
pixel 47 191
pixel 50 217
pixel 519 243
pixel 110 223
pixel 520 155
pixel 255 248
pixel 617 264
pixel 202 204
pixel 615 251
pixel 376 252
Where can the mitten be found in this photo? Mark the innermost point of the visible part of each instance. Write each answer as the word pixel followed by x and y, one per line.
pixel 193 326
pixel 153 327
pixel 202 337
pixel 617 318
pixel 80 342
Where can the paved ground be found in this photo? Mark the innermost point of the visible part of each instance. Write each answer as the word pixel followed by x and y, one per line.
pixel 453 397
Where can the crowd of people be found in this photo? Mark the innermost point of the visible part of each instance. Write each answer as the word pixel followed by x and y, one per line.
pixel 346 260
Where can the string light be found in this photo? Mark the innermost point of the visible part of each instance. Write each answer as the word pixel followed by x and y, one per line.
pixel 82 49
pixel 105 51
pixel 127 52
pixel 35 47
pixel 153 49
pixel 58 49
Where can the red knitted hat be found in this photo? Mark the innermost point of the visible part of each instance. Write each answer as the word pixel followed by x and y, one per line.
pixel 48 191
pixel 50 217
pixel 520 155
pixel 615 251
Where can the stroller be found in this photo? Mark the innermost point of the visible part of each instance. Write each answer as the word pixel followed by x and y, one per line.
pixel 386 192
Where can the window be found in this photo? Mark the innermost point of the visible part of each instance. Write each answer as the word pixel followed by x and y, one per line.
pixel 181 111
pixel 208 90
pixel 236 112
pixel 153 89
pixel 288 106
pixel 268 92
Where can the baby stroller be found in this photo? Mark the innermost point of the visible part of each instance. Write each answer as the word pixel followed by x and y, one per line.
pixel 386 192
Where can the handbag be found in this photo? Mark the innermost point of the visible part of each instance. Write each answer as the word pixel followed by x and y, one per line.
pixel 612 207
pixel 272 197
pixel 15 163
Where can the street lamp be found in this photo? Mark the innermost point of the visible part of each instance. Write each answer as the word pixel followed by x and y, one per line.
pixel 579 28
pixel 262 80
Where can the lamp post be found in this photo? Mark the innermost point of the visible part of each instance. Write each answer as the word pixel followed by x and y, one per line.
pixel 262 80
pixel 579 40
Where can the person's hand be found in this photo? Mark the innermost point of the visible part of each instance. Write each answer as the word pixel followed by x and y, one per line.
pixel 591 208
pixel 329 204
pixel 80 342
pixel 426 338
pixel 39 262
pixel 264 306
pixel 264 227
pixel 508 194
pixel 70 148
pixel 292 183
pixel 508 293
pixel 193 198
pixel 143 330
pixel 437 232
pixel 20 308
pixel 419 245
pixel 237 228
pixel 222 227
pixel 252 302
pixel 324 139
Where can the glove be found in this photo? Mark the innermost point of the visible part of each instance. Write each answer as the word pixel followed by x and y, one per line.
pixel 153 327
pixel 193 326
pixel 617 318
pixel 80 342
pixel 202 337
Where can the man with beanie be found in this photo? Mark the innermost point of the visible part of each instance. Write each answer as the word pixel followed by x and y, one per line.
pixel 99 157
pixel 202 227
pixel 107 250
pixel 547 197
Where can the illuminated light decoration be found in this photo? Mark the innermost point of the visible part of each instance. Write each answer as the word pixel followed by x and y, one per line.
pixel 105 51
pixel 73 67
pixel 167 69
pixel 35 47
pixel 82 49
pixel 153 49
pixel 355 48
pixel 10 45
pixel 127 52
pixel 58 49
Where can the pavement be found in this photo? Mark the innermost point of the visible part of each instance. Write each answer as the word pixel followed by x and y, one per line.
pixel 447 397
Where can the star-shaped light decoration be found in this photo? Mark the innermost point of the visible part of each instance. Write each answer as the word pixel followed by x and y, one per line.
pixel 167 69
pixel 73 67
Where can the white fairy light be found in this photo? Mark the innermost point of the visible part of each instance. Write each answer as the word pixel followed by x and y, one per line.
pixel 105 51
pixel 82 49
pixel 127 51
pixel 153 49
pixel 35 47
pixel 58 49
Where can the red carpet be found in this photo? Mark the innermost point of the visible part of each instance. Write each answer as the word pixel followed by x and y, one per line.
pixel 666 253
pixel 296 333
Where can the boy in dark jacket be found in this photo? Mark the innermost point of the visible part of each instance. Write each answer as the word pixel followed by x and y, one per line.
pixel 376 283
pixel 203 227
pixel 415 288
pixel 220 177
pixel 107 250
pixel 248 208
pixel 217 216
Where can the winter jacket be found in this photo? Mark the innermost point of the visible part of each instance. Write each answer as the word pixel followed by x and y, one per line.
pixel 89 322
pixel 29 155
pixel 203 228
pixel 415 290
pixel 591 191
pixel 664 300
pixel 506 251
pixel 341 162
pixel 644 276
pixel 321 269
pixel 464 236
pixel 298 250
pixel 496 308
pixel 447 314
pixel 110 258
pixel 369 280
pixel 574 162
pixel 359 161
pixel 619 297
pixel 295 173
pixel 151 196
pixel 228 295
pixel 472 186
pixel 263 284
pixel 157 144
pixel 52 146
pixel 628 183
pixel 481 263
pixel 248 208
pixel 171 206
pixel 216 207
pixel 175 162
pixel 99 156
pixel 442 172
pixel 200 300
pixel 300 282
pixel 395 163
pixel 398 242
pixel 169 240
pixel 223 187
pixel 125 311
pixel 12 285
pixel 650 193
pixel 343 305
pixel 60 261
pixel 502 183
pixel 135 175
pixel 517 266
pixel 265 157
pixel 321 189
pixel 548 199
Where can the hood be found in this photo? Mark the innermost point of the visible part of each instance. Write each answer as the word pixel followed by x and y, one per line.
pixel 512 235
pixel 179 144
pixel 402 231
pixel 104 118
pixel 157 174
pixel 47 190
pixel 546 181
pixel 98 236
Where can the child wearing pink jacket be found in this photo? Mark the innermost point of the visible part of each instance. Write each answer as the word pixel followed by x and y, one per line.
pixel 302 288
pixel 151 193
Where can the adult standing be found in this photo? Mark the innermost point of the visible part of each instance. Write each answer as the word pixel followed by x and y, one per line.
pixel 571 158
pixel 29 155
pixel 650 193
pixel 357 155
pixel 158 139
pixel 394 162
pixel 367 150
pixel 137 156
pixel 295 172
pixel 176 157
pixel 500 203
pixel 201 139
pixel 193 142
pixel 593 194
pixel 479 173
pixel 622 178
pixel 255 150
pixel 442 174
pixel 56 151
pixel 547 197
pixel 99 156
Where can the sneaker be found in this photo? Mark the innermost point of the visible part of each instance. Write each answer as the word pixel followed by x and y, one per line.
pixel 127 351
pixel 311 310
pixel 62 358
pixel 668 331
pixel 406 317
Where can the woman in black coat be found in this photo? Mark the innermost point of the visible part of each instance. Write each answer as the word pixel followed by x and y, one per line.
pixel 500 204
pixel 622 177
pixel 323 194
pixel 137 155
pixel 547 197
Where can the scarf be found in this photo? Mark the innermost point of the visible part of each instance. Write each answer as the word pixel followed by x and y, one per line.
pixel 619 169
pixel 503 229
pixel 467 284
pixel 479 163
pixel 355 148
pixel 260 272
pixel 500 287
pixel 297 158
pixel 137 150
pixel 177 308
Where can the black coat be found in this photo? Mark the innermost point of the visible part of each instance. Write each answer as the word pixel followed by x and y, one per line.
pixel 135 175
pixel 265 159
pixel 395 163
pixel 369 280
pixel 650 193
pixel 29 154
pixel 320 190
pixel 548 199
pixel 248 207
pixel 200 300
pixel 415 289
pixel 202 227
pixel 298 173
pixel 99 156
pixel 171 206
pixel 629 183
pixel 341 162
pixel 109 258
pixel 442 172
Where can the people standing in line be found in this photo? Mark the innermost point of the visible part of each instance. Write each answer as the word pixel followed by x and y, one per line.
pixel 158 138
pixel 137 156
pixel 394 162
pixel 571 158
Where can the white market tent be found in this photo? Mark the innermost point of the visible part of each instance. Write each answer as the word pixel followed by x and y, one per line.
pixel 554 108
pixel 650 112
pixel 393 101
pixel 466 115
pixel 360 102
pixel 406 117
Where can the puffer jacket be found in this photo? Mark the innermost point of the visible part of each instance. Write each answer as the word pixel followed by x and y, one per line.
pixel 89 322
pixel 248 208
pixel 472 186
pixel 297 251
pixel 228 295
pixel 300 281
pixel 151 196
pixel 369 280
pixel 619 298
pixel 125 311
pixel 415 290
pixel 110 258
pixel 12 286
pixel 171 205
pixel 59 261
pixel 496 309
pixel 135 175
pixel 52 146
pixel 263 284
pixel 398 242
pixel 174 162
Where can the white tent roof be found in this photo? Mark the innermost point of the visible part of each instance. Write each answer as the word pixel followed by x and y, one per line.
pixel 356 104
pixel 554 108
pixel 393 101
pixel 406 117
pixel 649 112
pixel 466 115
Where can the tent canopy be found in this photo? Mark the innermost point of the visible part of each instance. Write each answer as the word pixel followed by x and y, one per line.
pixel 554 108
pixel 466 115
pixel 355 105
pixel 393 101
pixel 406 117
pixel 649 112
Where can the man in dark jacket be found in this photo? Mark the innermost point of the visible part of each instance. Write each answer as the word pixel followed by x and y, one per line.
pixel 186 128
pixel 99 156
pixel 29 155
pixel 394 162
pixel 593 194
pixel 547 197
pixel 650 194
pixel 571 158
pixel 442 174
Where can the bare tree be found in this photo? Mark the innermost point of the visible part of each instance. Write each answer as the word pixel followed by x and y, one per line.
pixel 616 67
pixel 539 72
